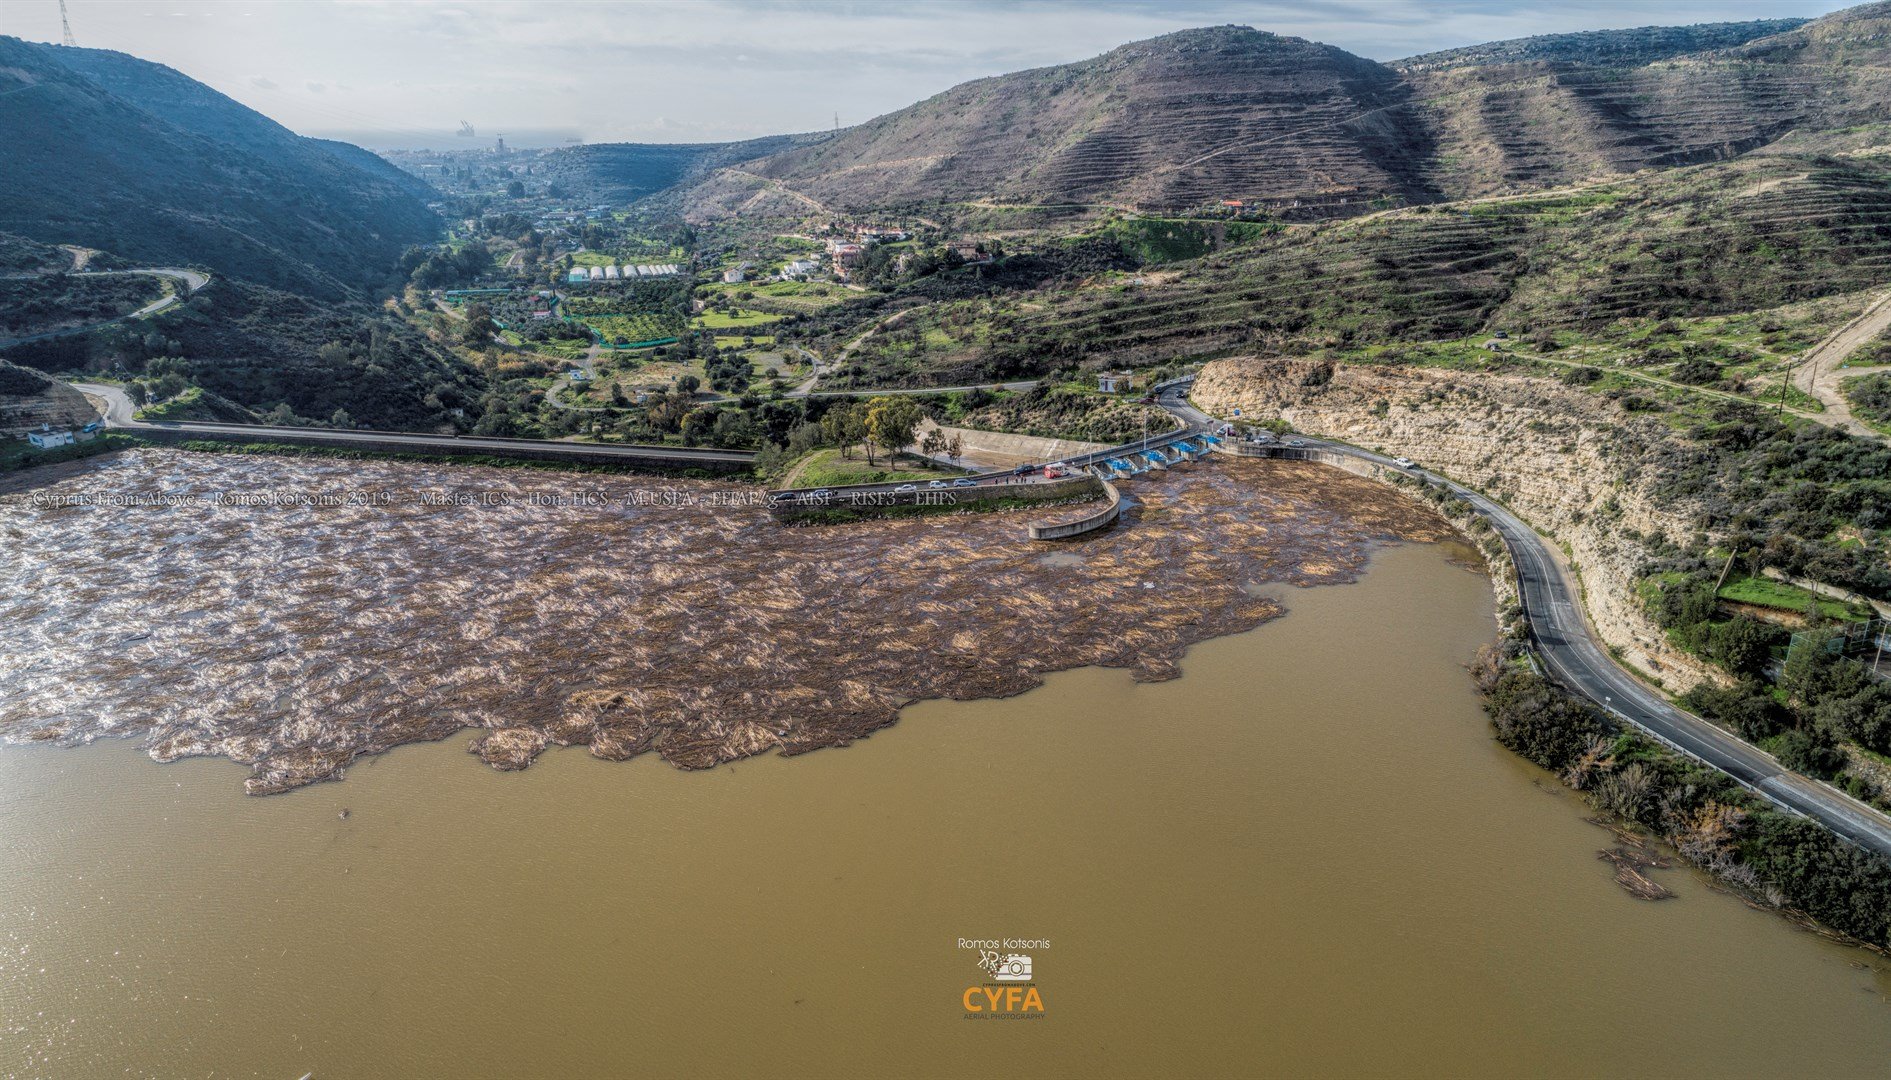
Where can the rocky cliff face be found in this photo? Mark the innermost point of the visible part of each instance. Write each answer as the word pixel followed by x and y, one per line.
pixel 29 399
pixel 1573 465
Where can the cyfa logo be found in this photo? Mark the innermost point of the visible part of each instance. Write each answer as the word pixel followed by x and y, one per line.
pixel 1006 1001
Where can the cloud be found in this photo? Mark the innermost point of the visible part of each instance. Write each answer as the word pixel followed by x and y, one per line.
pixel 726 69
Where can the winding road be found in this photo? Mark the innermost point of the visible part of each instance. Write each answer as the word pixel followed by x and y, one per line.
pixel 188 282
pixel 1568 648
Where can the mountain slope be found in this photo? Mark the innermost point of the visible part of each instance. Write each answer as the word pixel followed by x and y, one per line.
pixel 1502 126
pixel 1179 120
pixel 623 172
pixel 1642 45
pixel 1186 120
pixel 109 151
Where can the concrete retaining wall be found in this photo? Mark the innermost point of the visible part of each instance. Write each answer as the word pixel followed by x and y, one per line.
pixel 521 449
pixel 1003 450
pixel 942 500
pixel 1101 519
pixel 1348 462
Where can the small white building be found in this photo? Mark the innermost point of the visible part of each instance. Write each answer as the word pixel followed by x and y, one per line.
pixel 577 274
pixel 597 273
pixel 735 274
pixel 1116 382
pixel 46 438
pixel 611 272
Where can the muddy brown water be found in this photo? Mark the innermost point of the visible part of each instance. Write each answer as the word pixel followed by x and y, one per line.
pixel 1303 857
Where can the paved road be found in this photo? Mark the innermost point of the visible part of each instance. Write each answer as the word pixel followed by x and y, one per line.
pixel 188 281
pixel 119 413
pixel 1579 662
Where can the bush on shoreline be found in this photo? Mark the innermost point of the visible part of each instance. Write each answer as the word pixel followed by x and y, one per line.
pixel 1787 861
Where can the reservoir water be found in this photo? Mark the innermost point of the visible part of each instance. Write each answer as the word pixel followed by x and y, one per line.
pixel 1304 856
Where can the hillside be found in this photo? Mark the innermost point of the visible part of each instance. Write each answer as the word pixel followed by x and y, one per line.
pixel 29 401
pixel 623 172
pixel 1183 122
pixel 1641 45
pixel 1180 120
pixel 1764 233
pixel 109 151
pixel 1582 107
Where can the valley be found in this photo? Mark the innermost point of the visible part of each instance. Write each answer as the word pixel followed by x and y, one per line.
pixel 1063 392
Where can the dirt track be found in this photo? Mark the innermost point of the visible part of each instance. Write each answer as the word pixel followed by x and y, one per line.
pixel 1823 368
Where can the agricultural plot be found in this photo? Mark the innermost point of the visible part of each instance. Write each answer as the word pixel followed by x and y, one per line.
pixel 737 319
pixel 631 329
pixel 784 297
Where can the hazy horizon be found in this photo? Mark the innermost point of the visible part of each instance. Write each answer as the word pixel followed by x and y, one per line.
pixel 404 75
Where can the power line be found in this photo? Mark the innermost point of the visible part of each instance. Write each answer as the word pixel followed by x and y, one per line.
pixel 66 24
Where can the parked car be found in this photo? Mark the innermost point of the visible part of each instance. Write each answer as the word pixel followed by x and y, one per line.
pixel 1404 462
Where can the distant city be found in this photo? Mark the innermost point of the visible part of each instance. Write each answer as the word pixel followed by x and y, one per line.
pixel 449 139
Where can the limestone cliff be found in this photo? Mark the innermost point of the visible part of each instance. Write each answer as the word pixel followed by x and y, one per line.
pixel 1574 465
pixel 29 399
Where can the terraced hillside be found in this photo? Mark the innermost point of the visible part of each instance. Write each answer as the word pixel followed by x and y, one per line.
pixel 1541 123
pixel 1179 120
pixel 1304 130
pixel 1755 235
pixel 1641 45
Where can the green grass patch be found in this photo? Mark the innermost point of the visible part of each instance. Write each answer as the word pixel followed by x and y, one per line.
pixel 722 320
pixel 1767 593
pixel 827 468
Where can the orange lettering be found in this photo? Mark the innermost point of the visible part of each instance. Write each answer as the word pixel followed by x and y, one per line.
pixel 1013 995
pixel 970 1005
pixel 992 995
pixel 1033 1000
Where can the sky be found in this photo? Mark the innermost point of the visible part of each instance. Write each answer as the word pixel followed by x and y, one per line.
pixel 392 73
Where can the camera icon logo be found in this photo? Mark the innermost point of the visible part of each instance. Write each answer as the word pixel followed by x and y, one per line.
pixel 1015 967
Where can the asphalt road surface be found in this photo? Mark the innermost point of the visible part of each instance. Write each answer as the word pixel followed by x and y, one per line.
pixel 188 281
pixel 1574 657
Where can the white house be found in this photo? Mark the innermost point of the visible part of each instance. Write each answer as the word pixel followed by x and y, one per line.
pixel 1116 382
pixel 46 438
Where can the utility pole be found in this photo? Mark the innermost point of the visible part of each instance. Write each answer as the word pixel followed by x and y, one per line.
pixel 836 114
pixel 66 24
